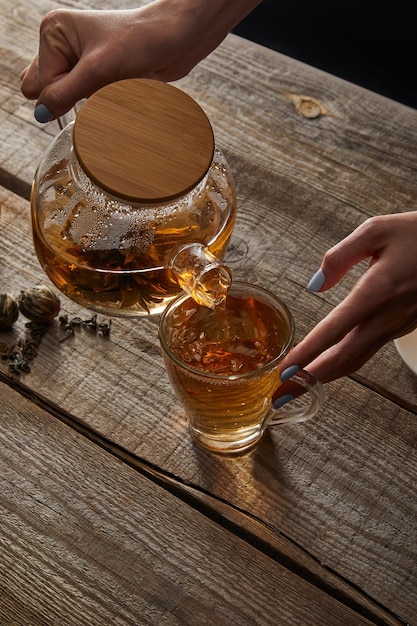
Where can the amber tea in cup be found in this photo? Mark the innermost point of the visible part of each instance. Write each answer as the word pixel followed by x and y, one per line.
pixel 224 365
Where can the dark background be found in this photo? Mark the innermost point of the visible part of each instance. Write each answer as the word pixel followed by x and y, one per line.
pixel 372 44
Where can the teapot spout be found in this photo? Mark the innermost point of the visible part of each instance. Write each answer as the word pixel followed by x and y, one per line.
pixel 200 274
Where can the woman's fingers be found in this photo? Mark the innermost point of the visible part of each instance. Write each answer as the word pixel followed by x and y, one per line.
pixel 381 306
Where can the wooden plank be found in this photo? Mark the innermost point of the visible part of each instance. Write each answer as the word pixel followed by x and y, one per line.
pixel 341 487
pixel 86 539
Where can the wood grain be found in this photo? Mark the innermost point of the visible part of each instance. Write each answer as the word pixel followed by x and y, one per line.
pixel 143 140
pixel 72 514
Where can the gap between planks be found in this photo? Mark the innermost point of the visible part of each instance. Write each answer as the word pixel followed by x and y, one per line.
pixel 240 523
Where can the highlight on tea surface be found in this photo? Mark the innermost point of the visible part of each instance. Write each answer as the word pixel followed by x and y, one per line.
pixel 235 337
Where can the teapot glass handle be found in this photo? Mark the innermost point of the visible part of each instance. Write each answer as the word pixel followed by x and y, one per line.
pixel 70 115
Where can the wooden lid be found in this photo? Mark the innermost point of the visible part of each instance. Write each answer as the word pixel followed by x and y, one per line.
pixel 143 140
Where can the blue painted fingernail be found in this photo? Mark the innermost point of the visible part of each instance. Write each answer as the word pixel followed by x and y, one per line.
pixel 279 402
pixel 289 372
pixel 317 282
pixel 43 114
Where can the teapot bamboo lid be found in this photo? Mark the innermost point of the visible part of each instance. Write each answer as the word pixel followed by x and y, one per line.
pixel 143 140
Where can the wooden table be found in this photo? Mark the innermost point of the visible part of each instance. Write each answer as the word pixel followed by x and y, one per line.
pixel 109 515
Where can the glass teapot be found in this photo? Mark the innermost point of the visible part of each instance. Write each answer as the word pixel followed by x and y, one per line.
pixel 133 202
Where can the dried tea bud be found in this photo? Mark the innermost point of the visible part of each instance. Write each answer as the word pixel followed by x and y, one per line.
pixel 9 310
pixel 39 304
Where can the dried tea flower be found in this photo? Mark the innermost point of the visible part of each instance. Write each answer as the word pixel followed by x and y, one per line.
pixel 39 304
pixel 9 310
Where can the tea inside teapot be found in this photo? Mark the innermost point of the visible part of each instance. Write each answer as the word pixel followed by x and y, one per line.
pixel 121 228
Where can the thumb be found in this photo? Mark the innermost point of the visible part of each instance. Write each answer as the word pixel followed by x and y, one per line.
pixel 64 92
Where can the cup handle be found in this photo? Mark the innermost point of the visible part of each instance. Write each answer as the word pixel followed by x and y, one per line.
pixel 304 395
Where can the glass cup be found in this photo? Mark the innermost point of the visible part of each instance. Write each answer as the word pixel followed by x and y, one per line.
pixel 224 365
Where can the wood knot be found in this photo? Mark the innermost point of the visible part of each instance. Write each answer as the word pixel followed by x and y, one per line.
pixel 308 107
